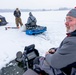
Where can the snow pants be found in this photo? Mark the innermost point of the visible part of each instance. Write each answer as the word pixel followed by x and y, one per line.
pixel 18 21
pixel 42 65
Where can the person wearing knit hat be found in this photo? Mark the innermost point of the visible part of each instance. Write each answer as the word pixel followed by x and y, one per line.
pixel 72 13
pixel 63 59
pixel 71 20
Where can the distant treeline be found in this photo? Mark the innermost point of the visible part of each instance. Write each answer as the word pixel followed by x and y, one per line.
pixel 27 10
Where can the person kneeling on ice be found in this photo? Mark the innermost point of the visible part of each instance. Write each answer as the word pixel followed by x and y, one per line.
pixel 61 60
pixel 31 22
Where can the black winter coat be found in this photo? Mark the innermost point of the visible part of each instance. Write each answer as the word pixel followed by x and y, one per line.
pixel 17 14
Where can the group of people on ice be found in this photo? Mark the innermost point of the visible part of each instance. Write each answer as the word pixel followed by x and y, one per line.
pixel 30 28
pixel 61 60
pixel 30 22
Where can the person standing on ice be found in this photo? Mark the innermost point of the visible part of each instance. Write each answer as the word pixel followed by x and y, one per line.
pixel 17 15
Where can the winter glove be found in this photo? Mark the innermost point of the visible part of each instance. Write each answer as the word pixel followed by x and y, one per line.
pixel 52 50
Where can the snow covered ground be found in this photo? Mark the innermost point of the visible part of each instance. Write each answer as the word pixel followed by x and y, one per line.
pixel 14 40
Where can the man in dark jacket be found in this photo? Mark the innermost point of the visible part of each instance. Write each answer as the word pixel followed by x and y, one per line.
pixel 62 59
pixel 17 15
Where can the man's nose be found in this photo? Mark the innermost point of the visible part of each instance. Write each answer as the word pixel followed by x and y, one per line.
pixel 66 23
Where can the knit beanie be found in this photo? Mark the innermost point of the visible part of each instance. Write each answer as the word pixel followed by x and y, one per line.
pixel 72 13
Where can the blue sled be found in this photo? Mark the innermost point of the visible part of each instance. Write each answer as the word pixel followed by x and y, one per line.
pixel 36 30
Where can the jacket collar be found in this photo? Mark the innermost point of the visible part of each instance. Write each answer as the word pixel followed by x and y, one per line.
pixel 71 34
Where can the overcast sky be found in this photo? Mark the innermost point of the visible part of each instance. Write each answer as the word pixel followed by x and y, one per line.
pixel 36 4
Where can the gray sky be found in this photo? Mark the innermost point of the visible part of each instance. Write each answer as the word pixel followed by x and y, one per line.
pixel 36 4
